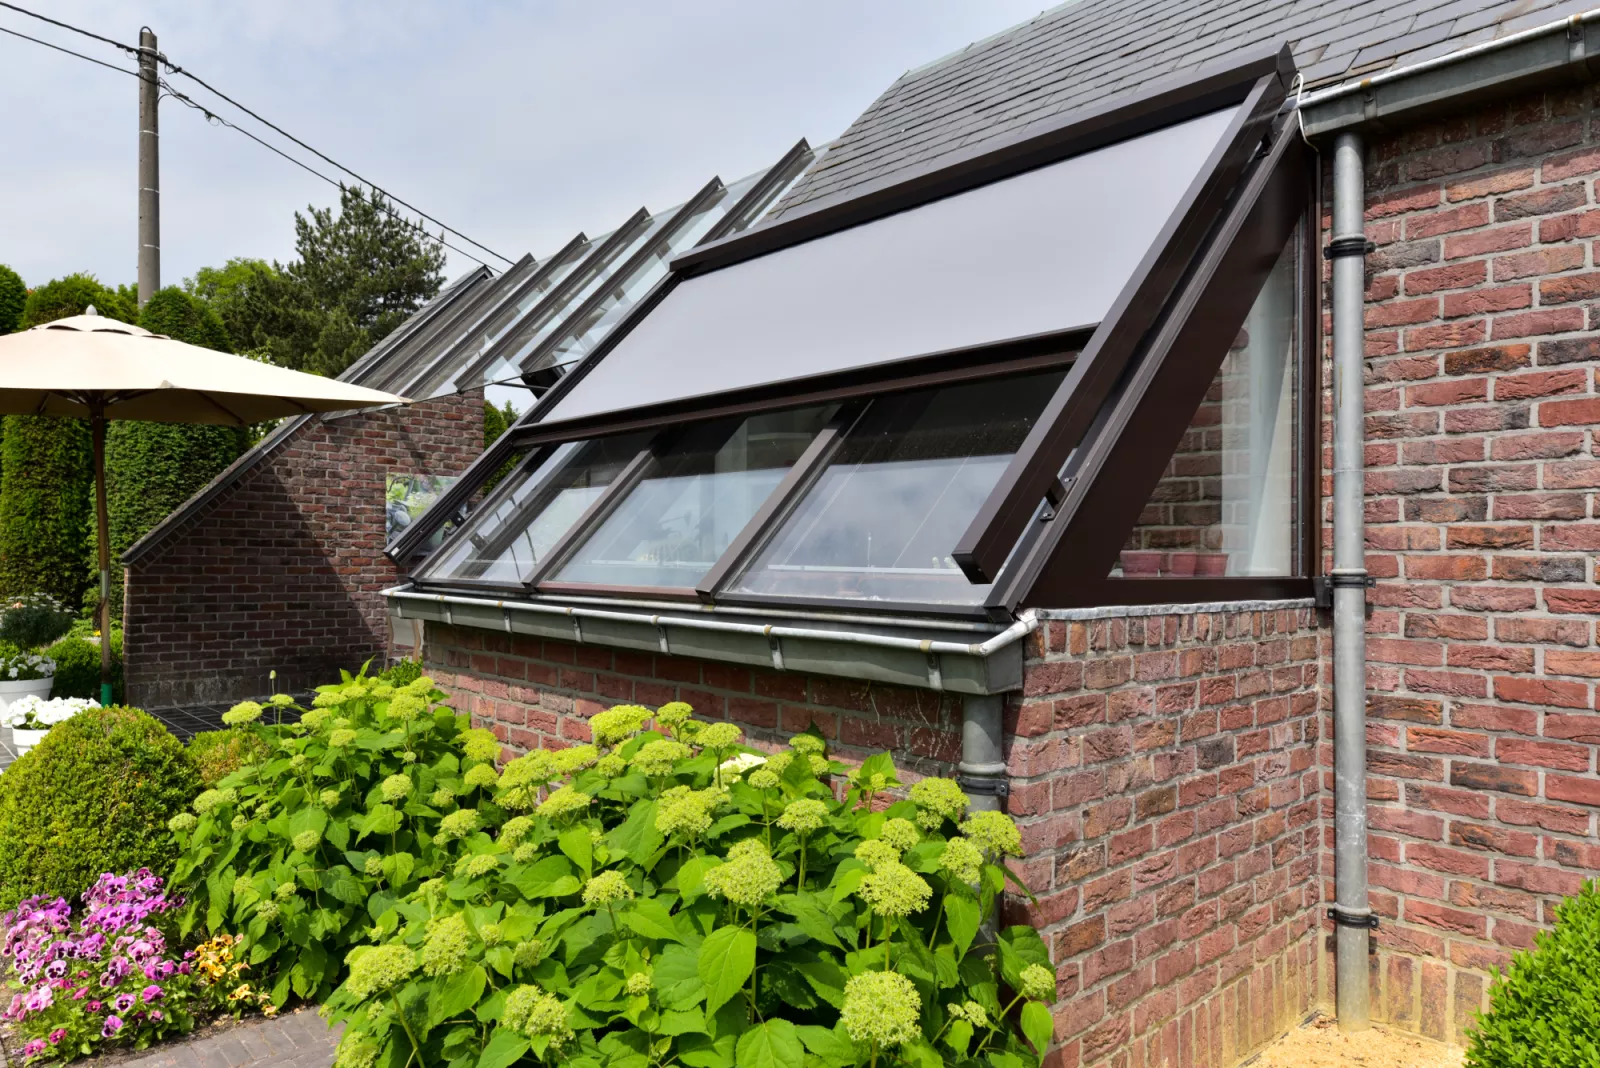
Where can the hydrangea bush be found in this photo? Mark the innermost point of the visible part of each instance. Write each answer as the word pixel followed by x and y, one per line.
pixel 300 850
pixel 664 896
pixel 107 979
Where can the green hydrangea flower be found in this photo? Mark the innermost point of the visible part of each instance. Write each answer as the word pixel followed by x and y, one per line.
pixel 963 860
pixel 779 762
pixel 612 766
pixel 239 822
pixel 284 891
pixel 183 821
pixel 373 866
pixel 315 719
pixel 659 757
pixel 477 865
pixel 480 776
pixel 902 834
pixel 875 853
pixel 396 788
pixel 480 744
pixel 210 799
pixel 683 811
pixel 515 830
pixel 490 933
pixel 267 909
pixel 606 887
pixel 639 984
pixel 280 700
pixel 354 1052
pixel 564 802
pixel 673 714
pixel 521 779
pixel 808 744
pixel 748 878
pixel 330 798
pixel 895 890
pixel 525 853
pixel 938 800
pixel 331 699
pixel 535 1013
pixel 240 885
pixel 442 797
pixel 306 841
pixel 527 954
pixel 421 686
pixel 458 824
pixel 820 765
pixel 242 713
pixel 618 724
pixel 341 737
pixel 971 1012
pixel 574 758
pixel 445 950
pixel 718 736
pixel 298 761
pixel 994 833
pixel 803 816
pixel 1038 983
pixel 882 1009
pixel 762 779
pixel 406 707
pixel 379 970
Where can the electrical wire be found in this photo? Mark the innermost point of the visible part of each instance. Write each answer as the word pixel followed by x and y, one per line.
pixel 68 51
pixel 218 120
pixel 173 68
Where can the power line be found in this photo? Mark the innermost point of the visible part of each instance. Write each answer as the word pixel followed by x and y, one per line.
pixel 68 51
pixel 173 68
pixel 213 117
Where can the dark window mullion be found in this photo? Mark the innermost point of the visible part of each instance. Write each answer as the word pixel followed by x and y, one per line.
pixel 779 502
pixel 601 508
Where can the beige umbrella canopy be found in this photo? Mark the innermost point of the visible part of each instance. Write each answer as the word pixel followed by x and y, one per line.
pixel 94 368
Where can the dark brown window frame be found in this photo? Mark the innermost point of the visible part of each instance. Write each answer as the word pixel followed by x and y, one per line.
pixel 1214 195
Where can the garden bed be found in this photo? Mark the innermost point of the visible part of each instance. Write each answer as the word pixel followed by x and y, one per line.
pixel 1319 1043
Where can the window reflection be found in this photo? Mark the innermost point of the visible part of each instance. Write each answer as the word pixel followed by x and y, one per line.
pixel 882 518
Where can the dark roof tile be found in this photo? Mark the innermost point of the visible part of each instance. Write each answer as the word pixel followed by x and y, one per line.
pixel 1082 53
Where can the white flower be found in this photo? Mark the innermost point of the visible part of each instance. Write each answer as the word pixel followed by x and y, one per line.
pixel 30 712
pixel 740 763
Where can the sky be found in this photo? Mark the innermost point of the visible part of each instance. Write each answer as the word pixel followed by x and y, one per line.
pixel 516 123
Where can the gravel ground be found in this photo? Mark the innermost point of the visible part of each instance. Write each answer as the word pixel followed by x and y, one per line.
pixel 1320 1044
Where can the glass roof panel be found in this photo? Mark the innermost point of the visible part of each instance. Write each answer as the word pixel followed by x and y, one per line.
pixel 1043 251
pixel 507 537
pixel 693 500
pixel 880 520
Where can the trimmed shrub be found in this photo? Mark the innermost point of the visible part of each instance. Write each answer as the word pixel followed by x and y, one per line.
pixel 1545 1011
pixel 47 472
pixel 13 295
pixel 94 796
pixel 35 620
pixel 78 667
pixel 403 671
pixel 152 468
pixel 497 421
pixel 218 754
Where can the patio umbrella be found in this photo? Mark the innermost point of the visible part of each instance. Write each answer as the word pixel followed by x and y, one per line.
pixel 95 368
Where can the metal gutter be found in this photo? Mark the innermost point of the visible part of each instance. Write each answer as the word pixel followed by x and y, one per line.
pixel 1550 54
pixel 910 652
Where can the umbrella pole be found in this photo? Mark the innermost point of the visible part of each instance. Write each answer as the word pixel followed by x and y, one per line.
pixel 97 425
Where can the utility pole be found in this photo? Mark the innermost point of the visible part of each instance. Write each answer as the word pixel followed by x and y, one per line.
pixel 149 169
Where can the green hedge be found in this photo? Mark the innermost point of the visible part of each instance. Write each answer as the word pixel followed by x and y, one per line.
pixel 13 296
pixel 94 796
pixel 1545 1011
pixel 46 469
pixel 78 667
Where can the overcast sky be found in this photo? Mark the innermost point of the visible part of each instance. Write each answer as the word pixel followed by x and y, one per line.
pixel 517 123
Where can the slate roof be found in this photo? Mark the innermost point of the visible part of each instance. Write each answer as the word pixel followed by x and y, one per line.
pixel 1086 51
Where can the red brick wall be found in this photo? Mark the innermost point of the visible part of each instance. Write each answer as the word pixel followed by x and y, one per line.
pixel 1164 773
pixel 283 570
pixel 1482 469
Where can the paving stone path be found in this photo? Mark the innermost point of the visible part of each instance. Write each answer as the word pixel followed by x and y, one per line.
pixel 299 1039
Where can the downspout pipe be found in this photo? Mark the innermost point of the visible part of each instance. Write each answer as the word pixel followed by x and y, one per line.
pixel 1352 915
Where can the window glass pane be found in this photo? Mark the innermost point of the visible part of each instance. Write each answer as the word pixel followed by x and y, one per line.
pixel 693 501
pixel 511 531
pixel 1226 504
pixel 906 481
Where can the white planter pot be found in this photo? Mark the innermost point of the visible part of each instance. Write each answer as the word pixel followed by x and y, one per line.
pixel 22 741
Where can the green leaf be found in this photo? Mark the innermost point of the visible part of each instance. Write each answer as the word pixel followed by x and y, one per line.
pixel 505 1047
pixel 961 919
pixel 825 977
pixel 808 914
pixel 1037 1025
pixel 692 876
pixel 878 764
pixel 551 877
pixel 677 978
pixel 727 957
pixel 697 1051
pixel 576 843
pixel 650 918
pixel 772 1044
pixel 637 836
pixel 456 994
pixel 1019 947
pixel 919 1054
pixel 682 1022
pixel 958 1036
pixel 833 1046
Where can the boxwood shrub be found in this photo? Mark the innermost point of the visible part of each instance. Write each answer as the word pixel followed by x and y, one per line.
pixel 1544 1012
pixel 218 754
pixel 78 667
pixel 93 797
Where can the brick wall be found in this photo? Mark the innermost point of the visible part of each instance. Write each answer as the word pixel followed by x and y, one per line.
pixel 1483 296
pixel 283 570
pixel 1164 773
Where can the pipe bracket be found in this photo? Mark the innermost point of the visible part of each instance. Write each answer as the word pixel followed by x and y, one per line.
pixel 1342 917
pixel 1348 246
pixel 985 785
